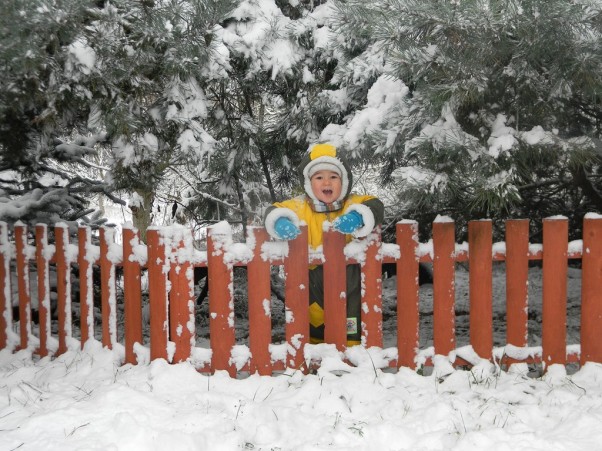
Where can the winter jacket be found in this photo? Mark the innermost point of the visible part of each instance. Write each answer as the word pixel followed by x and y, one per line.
pixel 300 210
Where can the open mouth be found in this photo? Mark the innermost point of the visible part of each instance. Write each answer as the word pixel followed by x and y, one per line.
pixel 327 192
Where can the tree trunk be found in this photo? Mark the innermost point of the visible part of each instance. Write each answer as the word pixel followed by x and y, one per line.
pixel 243 209
pixel 263 158
pixel 266 173
pixel 142 214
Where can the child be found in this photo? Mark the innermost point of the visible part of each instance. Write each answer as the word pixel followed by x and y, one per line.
pixel 327 180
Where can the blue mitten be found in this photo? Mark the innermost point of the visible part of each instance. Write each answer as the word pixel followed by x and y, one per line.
pixel 349 222
pixel 285 229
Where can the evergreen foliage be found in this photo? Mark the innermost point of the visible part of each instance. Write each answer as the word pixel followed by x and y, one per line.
pixel 502 107
pixel 148 91
pixel 41 109
pixel 466 108
pixel 266 111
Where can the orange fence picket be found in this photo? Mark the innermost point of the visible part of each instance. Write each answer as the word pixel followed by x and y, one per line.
pixel 335 283
pixel 63 286
pixel 86 285
pixel 591 297
pixel 480 287
pixel 408 319
pixel 444 318
pixel 517 282
pixel 43 289
pixel 553 340
pixel 260 325
pixel 157 295
pixel 6 313
pixel 372 302
pixel 132 293
pixel 296 292
pixel 169 260
pixel 23 285
pixel 181 299
pixel 107 289
pixel 221 301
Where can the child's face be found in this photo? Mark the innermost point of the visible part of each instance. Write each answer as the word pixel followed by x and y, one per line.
pixel 326 186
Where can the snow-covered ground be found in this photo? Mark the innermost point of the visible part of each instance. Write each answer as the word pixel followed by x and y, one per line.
pixel 88 400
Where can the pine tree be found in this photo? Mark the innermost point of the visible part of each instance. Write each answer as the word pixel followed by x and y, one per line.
pixel 265 112
pixel 148 91
pixel 497 108
pixel 41 110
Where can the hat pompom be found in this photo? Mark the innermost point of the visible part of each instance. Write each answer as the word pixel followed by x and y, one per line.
pixel 323 150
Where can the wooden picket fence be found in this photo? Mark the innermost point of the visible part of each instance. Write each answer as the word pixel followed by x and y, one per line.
pixel 169 258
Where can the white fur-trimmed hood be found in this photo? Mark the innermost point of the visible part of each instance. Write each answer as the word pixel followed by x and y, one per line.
pixel 325 156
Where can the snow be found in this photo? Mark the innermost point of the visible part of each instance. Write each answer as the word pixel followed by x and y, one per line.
pixel 502 138
pixel 384 96
pixel 84 55
pixel 88 400
pixel 261 35
pixel 415 176
pixel 537 135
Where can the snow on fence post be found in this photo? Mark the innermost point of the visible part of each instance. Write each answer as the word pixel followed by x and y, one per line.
pixel 591 292
pixel 408 318
pixel 181 295
pixel 335 289
pixel 517 283
pixel 6 311
pixel 132 293
pixel 444 318
pixel 555 265
pixel 157 294
pixel 63 285
pixel 372 303
pixel 42 259
pixel 86 285
pixel 221 298
pixel 296 293
pixel 107 284
pixel 480 287
pixel 259 296
pixel 23 285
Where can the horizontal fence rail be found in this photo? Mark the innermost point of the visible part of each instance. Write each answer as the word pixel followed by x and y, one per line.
pixel 169 258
